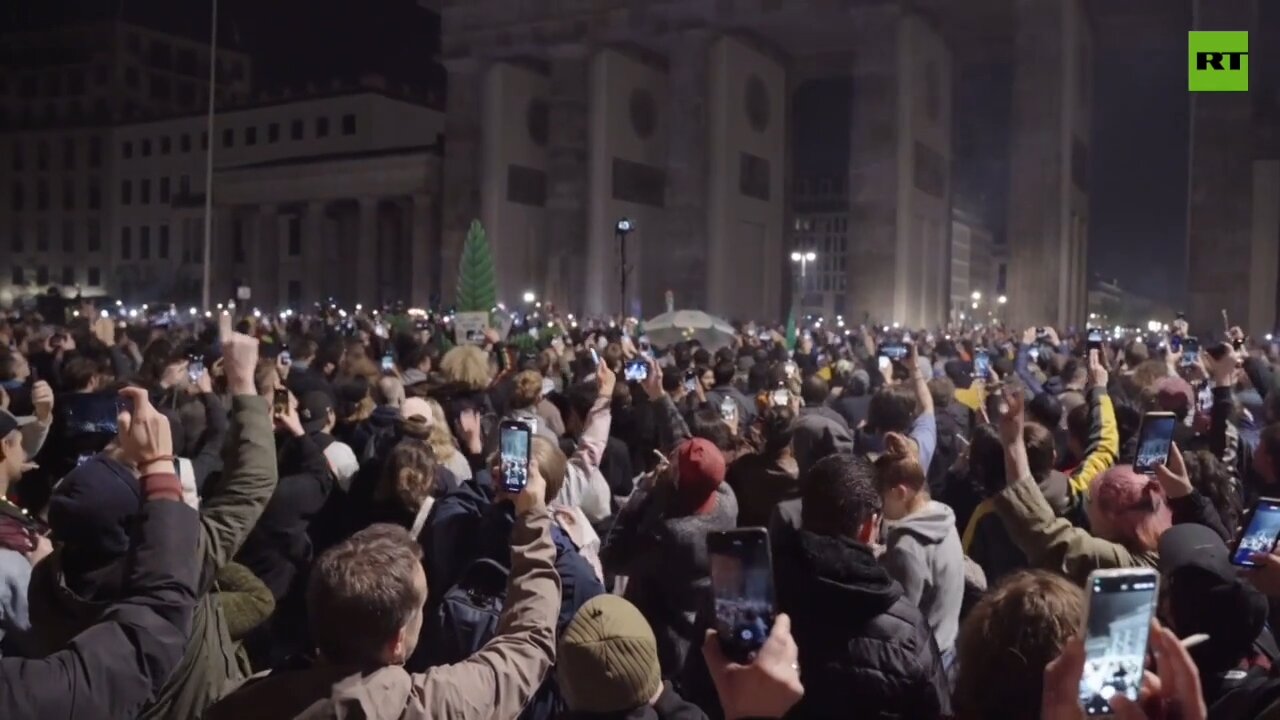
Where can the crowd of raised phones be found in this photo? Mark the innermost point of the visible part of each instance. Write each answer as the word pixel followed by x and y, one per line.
pixel 321 517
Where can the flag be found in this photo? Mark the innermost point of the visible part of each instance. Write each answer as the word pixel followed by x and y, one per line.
pixel 791 329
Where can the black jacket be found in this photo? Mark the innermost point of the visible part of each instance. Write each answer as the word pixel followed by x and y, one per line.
pixel 862 645
pixel 114 667
pixel 670 706
pixel 853 408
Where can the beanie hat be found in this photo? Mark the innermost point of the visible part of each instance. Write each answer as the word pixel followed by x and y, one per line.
pixel 608 658
pixel 700 470
pixel 93 506
pixel 1175 395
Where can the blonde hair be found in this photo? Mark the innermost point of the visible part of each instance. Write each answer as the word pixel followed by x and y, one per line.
pixel 899 465
pixel 466 364
pixel 527 390
pixel 552 464
pixel 439 437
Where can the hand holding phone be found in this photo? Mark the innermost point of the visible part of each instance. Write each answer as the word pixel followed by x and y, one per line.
pixel 1155 441
pixel 515 441
pixel 742 585
pixel 1260 535
pixel 1117 624
pixel 636 370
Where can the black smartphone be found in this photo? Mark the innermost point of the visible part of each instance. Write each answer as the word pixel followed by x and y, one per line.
pixel 691 381
pixel 92 413
pixel 982 365
pixel 514 448
pixel 636 370
pixel 1190 350
pixel 895 351
pixel 285 357
pixel 280 401
pixel 742 585
pixel 1121 605
pixel 1155 438
pixel 388 363
pixel 1259 537
pixel 1093 339
pixel 195 369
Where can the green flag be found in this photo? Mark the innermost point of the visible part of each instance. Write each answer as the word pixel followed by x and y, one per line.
pixel 791 329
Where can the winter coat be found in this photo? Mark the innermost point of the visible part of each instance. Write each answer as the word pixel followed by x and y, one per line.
pixel 987 542
pixel 670 706
pixel 923 554
pixel 230 508
pixel 862 644
pixel 760 483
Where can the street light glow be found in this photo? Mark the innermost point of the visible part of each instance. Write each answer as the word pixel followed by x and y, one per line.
pixel 529 296
pixel 1002 299
pixel 976 296
pixel 795 257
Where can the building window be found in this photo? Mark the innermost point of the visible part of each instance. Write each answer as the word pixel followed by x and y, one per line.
pixel 42 237
pixel 42 155
pixel 68 275
pixel 18 200
pixel 204 140
pixel 237 240
pixel 126 244
pixel 42 275
pixel 322 127
pixel 15 276
pixel 69 154
pixel 228 138
pixel 93 236
pixel 184 185
pixel 95 277
pixel 17 242
pixel 18 156
pixel 144 191
pixel 295 292
pixel 131 77
pixel 349 124
pixel 251 136
pixel 162 249
pixel 95 194
pixel 126 192
pixel 273 132
pixel 161 88
pixel 184 142
pixel 126 149
pixel 296 130
pixel 146 148
pixel 144 243
pixel 165 145
pixel 295 236
pixel 164 189
pixel 68 195
pixel 95 152
pixel 42 195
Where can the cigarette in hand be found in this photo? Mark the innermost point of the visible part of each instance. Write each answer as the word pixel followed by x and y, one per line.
pixel 1191 641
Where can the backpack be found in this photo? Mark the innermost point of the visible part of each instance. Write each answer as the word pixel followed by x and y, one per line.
pixel 467 617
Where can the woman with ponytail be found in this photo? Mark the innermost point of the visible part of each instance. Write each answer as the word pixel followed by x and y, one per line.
pixel 922 545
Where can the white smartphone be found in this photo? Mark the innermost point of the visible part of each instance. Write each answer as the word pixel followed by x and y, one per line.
pixel 1121 605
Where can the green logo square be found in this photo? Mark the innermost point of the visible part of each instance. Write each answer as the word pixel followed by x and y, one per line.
pixel 1217 61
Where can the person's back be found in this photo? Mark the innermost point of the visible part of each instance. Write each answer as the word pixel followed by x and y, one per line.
pixel 862 644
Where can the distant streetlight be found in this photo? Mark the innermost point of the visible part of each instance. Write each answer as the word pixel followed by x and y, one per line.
pixel 976 296
pixel 1002 300
pixel 529 296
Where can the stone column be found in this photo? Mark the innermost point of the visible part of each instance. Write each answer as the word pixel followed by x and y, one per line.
pixel 566 244
pixel 262 250
pixel 1221 193
pixel 874 169
pixel 315 275
pixel 420 247
pixel 684 242
pixel 461 167
pixel 366 255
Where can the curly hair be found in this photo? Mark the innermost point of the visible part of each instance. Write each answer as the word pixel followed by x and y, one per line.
pixel 468 365
pixel 409 475
pixel 527 390
pixel 1213 479
pixel 1006 641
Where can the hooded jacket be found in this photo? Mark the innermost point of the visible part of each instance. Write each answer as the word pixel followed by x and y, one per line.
pixel 231 507
pixel 862 644
pixel 987 542
pixel 495 682
pixel 924 555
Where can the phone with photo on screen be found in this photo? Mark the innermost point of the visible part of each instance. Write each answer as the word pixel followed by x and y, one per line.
pixel 1259 537
pixel 1117 623
pixel 1190 351
pixel 1155 440
pixel 742 586
pixel 1093 340
pixel 514 441
pixel 982 365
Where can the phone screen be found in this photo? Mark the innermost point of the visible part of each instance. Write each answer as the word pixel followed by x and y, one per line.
pixel 636 371
pixel 595 357
pixel 780 397
pixel 1190 351
pixel 1261 534
pixel 91 413
pixel 1154 441
pixel 728 410
pixel 195 369
pixel 285 357
pixel 388 363
pixel 1094 339
pixel 1115 645
pixel 982 365
pixel 280 401
pixel 513 447
pixel 893 350
pixel 742 584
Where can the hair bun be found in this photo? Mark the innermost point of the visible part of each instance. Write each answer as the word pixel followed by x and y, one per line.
pixel 897 446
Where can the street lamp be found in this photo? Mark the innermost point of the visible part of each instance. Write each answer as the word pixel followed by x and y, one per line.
pixel 804 258
pixel 621 230
pixel 976 296
pixel 529 297
pixel 1002 300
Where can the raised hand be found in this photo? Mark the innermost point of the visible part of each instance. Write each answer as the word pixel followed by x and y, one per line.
pixel 144 436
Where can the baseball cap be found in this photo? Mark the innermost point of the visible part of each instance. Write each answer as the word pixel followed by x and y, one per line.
pixel 10 422
pixel 313 410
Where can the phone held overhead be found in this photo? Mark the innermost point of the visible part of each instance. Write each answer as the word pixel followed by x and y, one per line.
pixel 1117 623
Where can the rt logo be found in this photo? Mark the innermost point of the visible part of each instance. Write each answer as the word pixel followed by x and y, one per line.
pixel 1217 61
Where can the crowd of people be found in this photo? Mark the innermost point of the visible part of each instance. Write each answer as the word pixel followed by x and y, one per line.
pixel 934 502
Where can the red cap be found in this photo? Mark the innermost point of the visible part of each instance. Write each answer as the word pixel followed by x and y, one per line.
pixel 700 466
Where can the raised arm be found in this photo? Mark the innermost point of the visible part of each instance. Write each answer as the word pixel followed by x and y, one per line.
pixel 1022 364
pixel 925 428
pixel 1104 436
pixel 232 504
pixel 672 429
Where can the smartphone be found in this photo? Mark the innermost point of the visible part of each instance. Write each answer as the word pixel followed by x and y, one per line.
pixel 280 401
pixel 780 397
pixel 1175 343
pixel 1190 350
pixel 195 369
pixel 791 369
pixel 1118 621
pixel 982 365
pixel 729 410
pixel 388 363
pixel 1094 339
pixel 636 370
pixel 742 585
pixel 285 358
pixel 1259 537
pixel 514 441
pixel 595 357
pixel 1155 438
pixel 92 413
pixel 895 351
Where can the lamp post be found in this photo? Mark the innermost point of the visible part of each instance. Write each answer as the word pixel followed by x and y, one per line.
pixel 206 277
pixel 621 230
pixel 803 258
